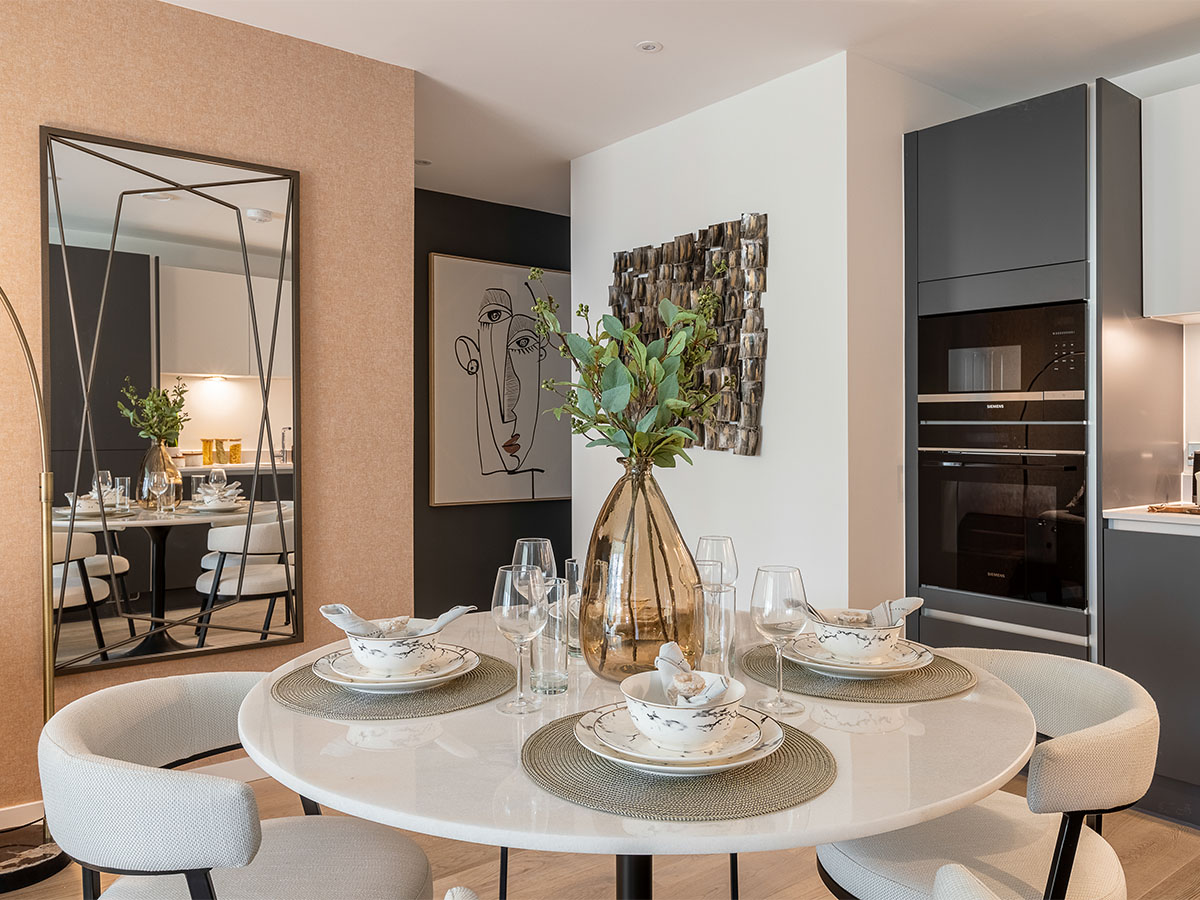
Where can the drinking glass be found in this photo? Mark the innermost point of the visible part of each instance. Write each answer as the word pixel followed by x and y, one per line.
pixel 520 611
pixel 217 478
pixel 777 611
pixel 536 552
pixel 548 653
pixel 574 572
pixel 197 480
pixel 158 487
pixel 102 484
pixel 719 604
pixel 124 485
pixel 719 547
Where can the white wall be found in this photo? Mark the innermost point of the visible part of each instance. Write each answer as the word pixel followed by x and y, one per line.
pixel 232 408
pixel 781 148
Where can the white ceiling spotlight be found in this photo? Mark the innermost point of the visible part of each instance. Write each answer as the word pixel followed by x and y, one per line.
pixel 649 46
pixel 157 196
pixel 261 216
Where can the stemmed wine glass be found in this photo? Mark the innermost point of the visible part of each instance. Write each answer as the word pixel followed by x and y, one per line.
pixel 536 552
pixel 520 610
pixel 777 611
pixel 217 478
pixel 719 548
pixel 158 487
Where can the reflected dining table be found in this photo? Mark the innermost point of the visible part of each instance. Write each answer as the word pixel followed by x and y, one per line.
pixel 157 527
pixel 459 775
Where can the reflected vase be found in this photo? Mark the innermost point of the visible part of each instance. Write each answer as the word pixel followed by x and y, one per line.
pixel 639 581
pixel 157 459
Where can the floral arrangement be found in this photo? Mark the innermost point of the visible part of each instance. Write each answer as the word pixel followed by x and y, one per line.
pixel 636 397
pixel 159 415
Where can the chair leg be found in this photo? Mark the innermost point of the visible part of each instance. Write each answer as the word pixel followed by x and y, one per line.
pixel 123 587
pixel 91 883
pixel 503 873
pixel 267 618
pixel 311 807
pixel 1096 823
pixel 733 877
pixel 1064 855
pixel 210 602
pixel 90 601
pixel 200 886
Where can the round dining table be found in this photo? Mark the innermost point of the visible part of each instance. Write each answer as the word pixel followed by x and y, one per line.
pixel 459 775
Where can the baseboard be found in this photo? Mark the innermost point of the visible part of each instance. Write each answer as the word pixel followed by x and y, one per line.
pixel 243 769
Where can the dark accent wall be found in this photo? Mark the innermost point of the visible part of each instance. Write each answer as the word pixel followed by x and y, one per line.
pixel 456 549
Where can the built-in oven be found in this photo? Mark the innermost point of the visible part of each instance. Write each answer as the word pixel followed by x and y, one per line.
pixel 1002 471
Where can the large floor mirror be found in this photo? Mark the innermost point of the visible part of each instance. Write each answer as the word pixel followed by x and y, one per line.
pixel 170 351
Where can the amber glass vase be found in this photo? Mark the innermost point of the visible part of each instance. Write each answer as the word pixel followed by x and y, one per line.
pixel 157 459
pixel 639 581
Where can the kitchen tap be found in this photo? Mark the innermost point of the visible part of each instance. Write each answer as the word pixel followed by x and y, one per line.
pixel 285 455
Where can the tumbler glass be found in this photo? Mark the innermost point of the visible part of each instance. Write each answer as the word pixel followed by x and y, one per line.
pixel 123 484
pixel 719 603
pixel 574 573
pixel 548 654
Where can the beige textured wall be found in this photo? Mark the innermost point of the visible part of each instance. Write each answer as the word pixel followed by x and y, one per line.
pixel 145 71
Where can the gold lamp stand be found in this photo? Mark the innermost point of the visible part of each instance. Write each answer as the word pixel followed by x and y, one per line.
pixel 29 855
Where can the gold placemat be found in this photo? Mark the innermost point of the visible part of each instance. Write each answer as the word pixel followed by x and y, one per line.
pixel 941 678
pixel 801 769
pixel 304 692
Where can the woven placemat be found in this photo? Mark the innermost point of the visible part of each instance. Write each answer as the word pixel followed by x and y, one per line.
pixel 941 678
pixel 304 692
pixel 801 769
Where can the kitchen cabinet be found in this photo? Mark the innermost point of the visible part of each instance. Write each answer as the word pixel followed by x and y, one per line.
pixel 1152 634
pixel 1004 189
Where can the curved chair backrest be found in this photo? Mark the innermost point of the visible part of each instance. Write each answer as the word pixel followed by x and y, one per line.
pixel 83 545
pixel 112 807
pixel 1102 724
pixel 264 537
pixel 955 882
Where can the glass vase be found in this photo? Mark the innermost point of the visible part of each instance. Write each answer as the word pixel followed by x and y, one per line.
pixel 157 459
pixel 639 581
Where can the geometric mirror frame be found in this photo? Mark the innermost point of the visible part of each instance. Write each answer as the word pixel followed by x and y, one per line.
pixel 170 332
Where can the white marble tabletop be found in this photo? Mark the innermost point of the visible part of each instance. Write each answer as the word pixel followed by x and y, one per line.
pixel 459 775
pixel 148 518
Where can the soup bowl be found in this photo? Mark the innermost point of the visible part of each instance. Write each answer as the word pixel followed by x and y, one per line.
pixel 684 728
pixel 396 654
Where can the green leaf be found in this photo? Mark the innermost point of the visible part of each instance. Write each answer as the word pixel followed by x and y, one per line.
pixel 656 349
pixel 586 404
pixel 580 348
pixel 614 374
pixel 616 398
pixel 680 452
pixel 611 351
pixel 613 326
pixel 621 442
pixel 665 458
pixel 668 311
pixel 668 388
pixel 670 365
pixel 655 371
pixel 641 441
pixel 678 341
pixel 637 350
pixel 683 430
pixel 676 405
pixel 646 422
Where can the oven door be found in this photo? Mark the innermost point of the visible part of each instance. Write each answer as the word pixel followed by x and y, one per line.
pixel 1004 524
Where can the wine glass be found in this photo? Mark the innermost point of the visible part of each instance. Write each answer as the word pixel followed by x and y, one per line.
pixel 158 487
pixel 217 478
pixel 520 610
pixel 102 484
pixel 536 552
pixel 719 548
pixel 777 611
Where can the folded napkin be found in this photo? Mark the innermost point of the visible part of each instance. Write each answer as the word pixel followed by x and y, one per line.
pixel 210 493
pixel 893 612
pixel 83 502
pixel 352 623
pixel 682 686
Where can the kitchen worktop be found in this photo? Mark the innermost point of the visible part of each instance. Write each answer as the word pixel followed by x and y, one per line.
pixel 1136 518
pixel 237 469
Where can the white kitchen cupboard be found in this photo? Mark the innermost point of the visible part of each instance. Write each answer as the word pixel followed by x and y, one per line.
pixel 1171 205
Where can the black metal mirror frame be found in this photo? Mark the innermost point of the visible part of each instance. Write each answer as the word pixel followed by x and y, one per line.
pixel 51 136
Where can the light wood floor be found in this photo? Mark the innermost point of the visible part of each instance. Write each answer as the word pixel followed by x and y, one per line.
pixel 1161 860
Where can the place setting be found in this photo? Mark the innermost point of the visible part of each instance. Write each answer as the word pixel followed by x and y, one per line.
pixel 88 506
pixel 214 493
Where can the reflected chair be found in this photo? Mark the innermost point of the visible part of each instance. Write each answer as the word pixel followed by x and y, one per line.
pixel 208 562
pixel 82 589
pixel 265 580
pixel 97 567
pixel 116 803
pixel 1099 757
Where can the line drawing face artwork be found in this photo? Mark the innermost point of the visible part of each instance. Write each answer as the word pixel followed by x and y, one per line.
pixel 491 439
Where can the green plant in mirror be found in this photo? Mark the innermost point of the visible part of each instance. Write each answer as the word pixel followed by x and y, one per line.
pixel 633 396
pixel 159 415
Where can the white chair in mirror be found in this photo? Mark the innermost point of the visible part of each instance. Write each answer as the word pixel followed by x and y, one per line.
pixel 267 512
pixel 86 574
pixel 115 803
pixel 271 577
pixel 1100 756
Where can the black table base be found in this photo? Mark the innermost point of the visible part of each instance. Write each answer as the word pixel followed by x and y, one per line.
pixel 158 641
pixel 635 877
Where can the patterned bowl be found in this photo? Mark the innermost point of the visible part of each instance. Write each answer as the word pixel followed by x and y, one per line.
pixel 851 638
pixel 680 727
pixel 396 655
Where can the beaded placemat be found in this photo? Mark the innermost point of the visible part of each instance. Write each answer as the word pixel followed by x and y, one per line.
pixel 801 769
pixel 304 692
pixel 941 678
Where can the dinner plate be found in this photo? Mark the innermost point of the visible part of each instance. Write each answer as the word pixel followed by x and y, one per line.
pixel 616 729
pixel 64 512
pixel 224 506
pixel 323 668
pixel 906 656
pixel 444 661
pixel 772 738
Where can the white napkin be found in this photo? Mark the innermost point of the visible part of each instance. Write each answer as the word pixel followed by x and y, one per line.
pixel 675 673
pixel 892 612
pixel 210 493
pixel 352 623
pixel 447 617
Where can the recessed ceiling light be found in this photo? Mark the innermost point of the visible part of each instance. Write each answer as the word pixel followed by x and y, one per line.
pixel 215 378
pixel 159 196
pixel 261 216
pixel 649 46
pixel 422 162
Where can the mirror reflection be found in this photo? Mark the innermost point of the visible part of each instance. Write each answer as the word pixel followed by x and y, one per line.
pixel 170 351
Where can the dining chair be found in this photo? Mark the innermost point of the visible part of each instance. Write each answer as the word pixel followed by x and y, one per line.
pixel 97 567
pixel 1101 744
pixel 268 581
pixel 955 882
pixel 117 802
pixel 270 514
pixel 82 590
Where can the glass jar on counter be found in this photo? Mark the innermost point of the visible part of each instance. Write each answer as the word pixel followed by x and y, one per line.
pixel 220 454
pixel 206 450
pixel 235 451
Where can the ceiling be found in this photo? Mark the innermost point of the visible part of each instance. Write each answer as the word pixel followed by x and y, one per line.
pixel 509 91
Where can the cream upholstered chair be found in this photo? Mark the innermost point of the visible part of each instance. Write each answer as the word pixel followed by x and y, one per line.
pixel 81 588
pixel 267 580
pixel 265 511
pixel 97 567
pixel 1103 742
pixel 954 882
pixel 114 804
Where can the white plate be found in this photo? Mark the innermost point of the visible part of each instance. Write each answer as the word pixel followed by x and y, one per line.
pixel 615 728
pixel 772 738
pixel 444 661
pixel 224 506
pixel 64 512
pixel 322 668
pixel 907 656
